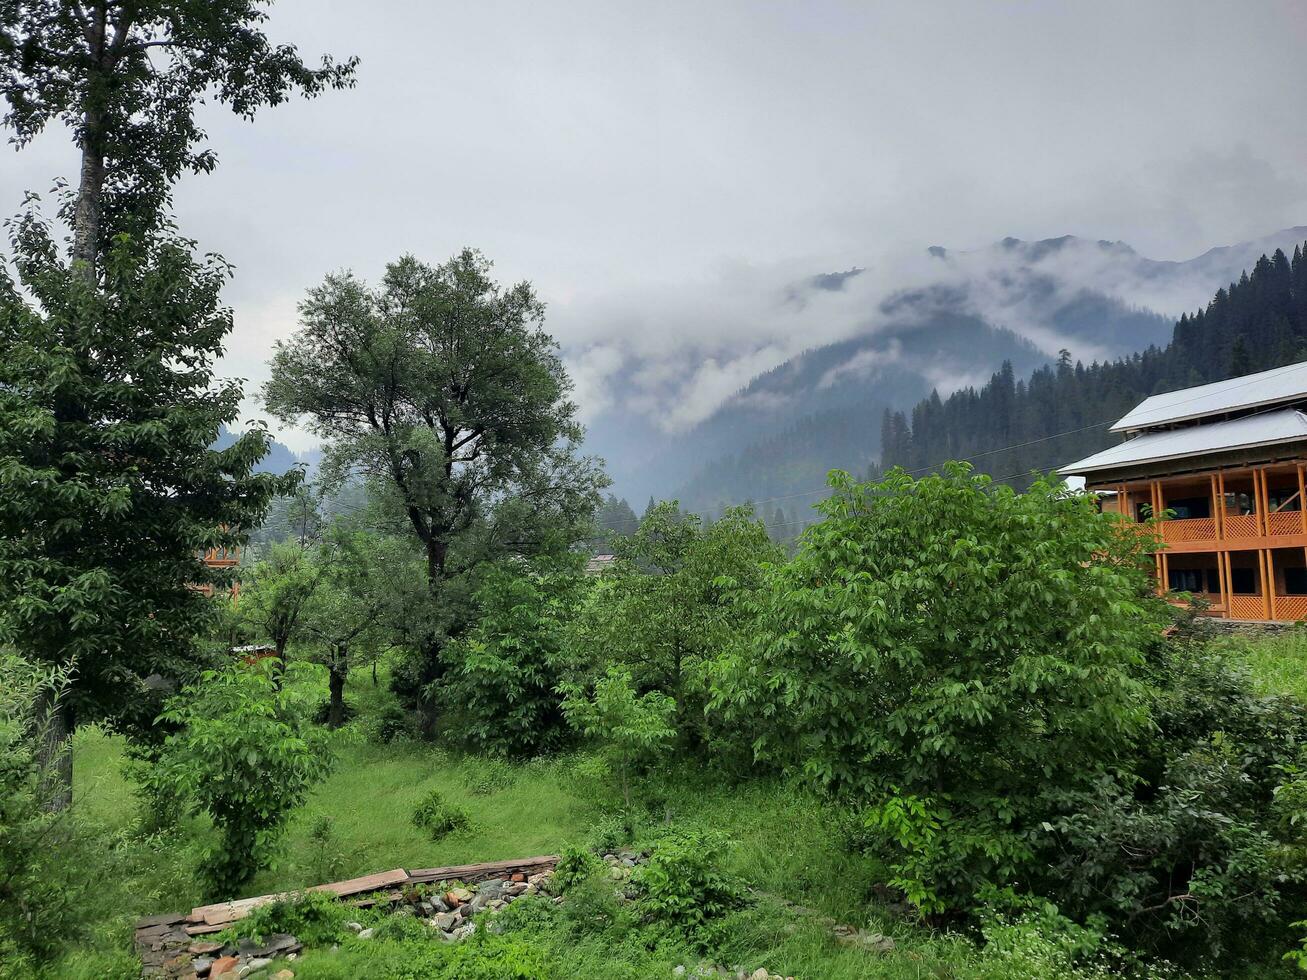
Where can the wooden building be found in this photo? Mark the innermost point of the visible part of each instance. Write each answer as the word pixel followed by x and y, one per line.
pixel 1223 465
pixel 221 558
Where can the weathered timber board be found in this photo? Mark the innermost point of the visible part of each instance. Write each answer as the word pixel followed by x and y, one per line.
pixel 225 912
pixel 488 869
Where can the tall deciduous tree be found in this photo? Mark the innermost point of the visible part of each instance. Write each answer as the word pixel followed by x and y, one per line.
pixel 109 492
pixel 446 391
pixel 125 77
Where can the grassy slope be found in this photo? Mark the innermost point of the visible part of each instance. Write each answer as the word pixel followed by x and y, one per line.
pixel 782 845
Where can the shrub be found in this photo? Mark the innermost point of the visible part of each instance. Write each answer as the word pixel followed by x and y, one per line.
pixel 246 753
pixel 632 729
pixel 327 859
pixel 39 883
pixel 575 864
pixel 439 818
pixel 939 654
pixel 315 918
pixel 609 833
pixel 682 884
pixel 1197 849
pixel 501 679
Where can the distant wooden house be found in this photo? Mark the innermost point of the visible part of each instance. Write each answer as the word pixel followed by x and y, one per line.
pixel 1223 465
pixel 599 563
pixel 221 559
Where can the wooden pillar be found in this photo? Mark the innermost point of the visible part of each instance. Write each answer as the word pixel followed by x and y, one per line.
pixel 1229 584
pixel 1268 587
pixel 1222 582
pixel 1216 510
pixel 1259 500
pixel 1302 499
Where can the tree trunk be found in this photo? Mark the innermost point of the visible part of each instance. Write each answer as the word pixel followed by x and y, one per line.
pixel 90 196
pixel 54 753
pixel 336 684
pixel 374 673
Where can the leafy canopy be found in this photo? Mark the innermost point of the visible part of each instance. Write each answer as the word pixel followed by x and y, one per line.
pixel 942 650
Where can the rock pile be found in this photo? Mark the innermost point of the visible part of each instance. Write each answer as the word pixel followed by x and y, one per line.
pixel 449 911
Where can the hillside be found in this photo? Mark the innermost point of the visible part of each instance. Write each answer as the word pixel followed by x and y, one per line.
pixel 1062 412
pixel 949 328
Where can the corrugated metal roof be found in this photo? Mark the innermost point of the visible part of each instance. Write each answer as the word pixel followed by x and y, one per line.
pixel 1248 391
pixel 1263 429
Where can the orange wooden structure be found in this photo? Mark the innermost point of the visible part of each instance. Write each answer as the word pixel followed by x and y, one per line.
pixel 1224 467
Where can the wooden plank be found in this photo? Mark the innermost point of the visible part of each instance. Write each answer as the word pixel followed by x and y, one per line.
pixel 160 920
pixel 488 869
pixel 225 912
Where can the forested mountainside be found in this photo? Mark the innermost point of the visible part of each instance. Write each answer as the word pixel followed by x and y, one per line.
pixel 280 458
pixel 1015 301
pixel 1063 411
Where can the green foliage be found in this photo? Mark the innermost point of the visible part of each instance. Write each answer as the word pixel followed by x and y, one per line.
pixel 632 729
pixel 1198 848
pixel 683 884
pixel 438 817
pixel 501 679
pixel 445 391
pixel 131 113
pixel 675 600
pixel 275 594
pixel 247 754
pixel 575 864
pixel 484 776
pixel 483 956
pixel 109 492
pixel 940 653
pixel 37 886
pixel 315 918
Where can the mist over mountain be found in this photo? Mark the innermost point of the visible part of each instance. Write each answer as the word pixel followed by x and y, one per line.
pixel 834 349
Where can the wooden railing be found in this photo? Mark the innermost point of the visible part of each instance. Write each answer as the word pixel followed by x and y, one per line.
pixel 1284 522
pixel 1241 526
pixel 1247 607
pixel 1291 607
pixel 1190 529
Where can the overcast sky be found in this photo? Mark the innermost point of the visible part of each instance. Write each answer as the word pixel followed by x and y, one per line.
pixel 637 160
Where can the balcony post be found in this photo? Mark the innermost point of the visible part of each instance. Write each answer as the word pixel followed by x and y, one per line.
pixel 1223 583
pixel 1217 504
pixel 1259 496
pixel 1268 586
pixel 1302 500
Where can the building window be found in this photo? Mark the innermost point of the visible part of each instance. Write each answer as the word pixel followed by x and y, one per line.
pixel 1243 581
pixel 1190 507
pixel 1295 581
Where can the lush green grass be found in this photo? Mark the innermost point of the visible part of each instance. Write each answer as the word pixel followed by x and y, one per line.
pixel 785 845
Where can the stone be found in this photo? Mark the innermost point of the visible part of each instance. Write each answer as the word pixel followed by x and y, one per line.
pixel 760 974
pixel 496 904
pixel 254 966
pixel 531 889
pixel 224 964
pixel 457 896
pixel 492 888
pixel 438 904
pixel 628 862
pixel 426 908
pixel 365 934
pixel 445 921
pixel 282 975
pixel 202 965
pixel 203 949
pixel 618 873
pixel 354 927
pixel 516 888
pixel 519 877
pixel 679 970
pixel 465 911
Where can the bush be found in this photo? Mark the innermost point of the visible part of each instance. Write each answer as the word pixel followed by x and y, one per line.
pixel 632 729
pixel 575 864
pixel 1196 849
pixel 39 883
pixel 939 654
pixel 246 753
pixel 314 918
pixel 439 818
pixel 682 884
pixel 501 679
